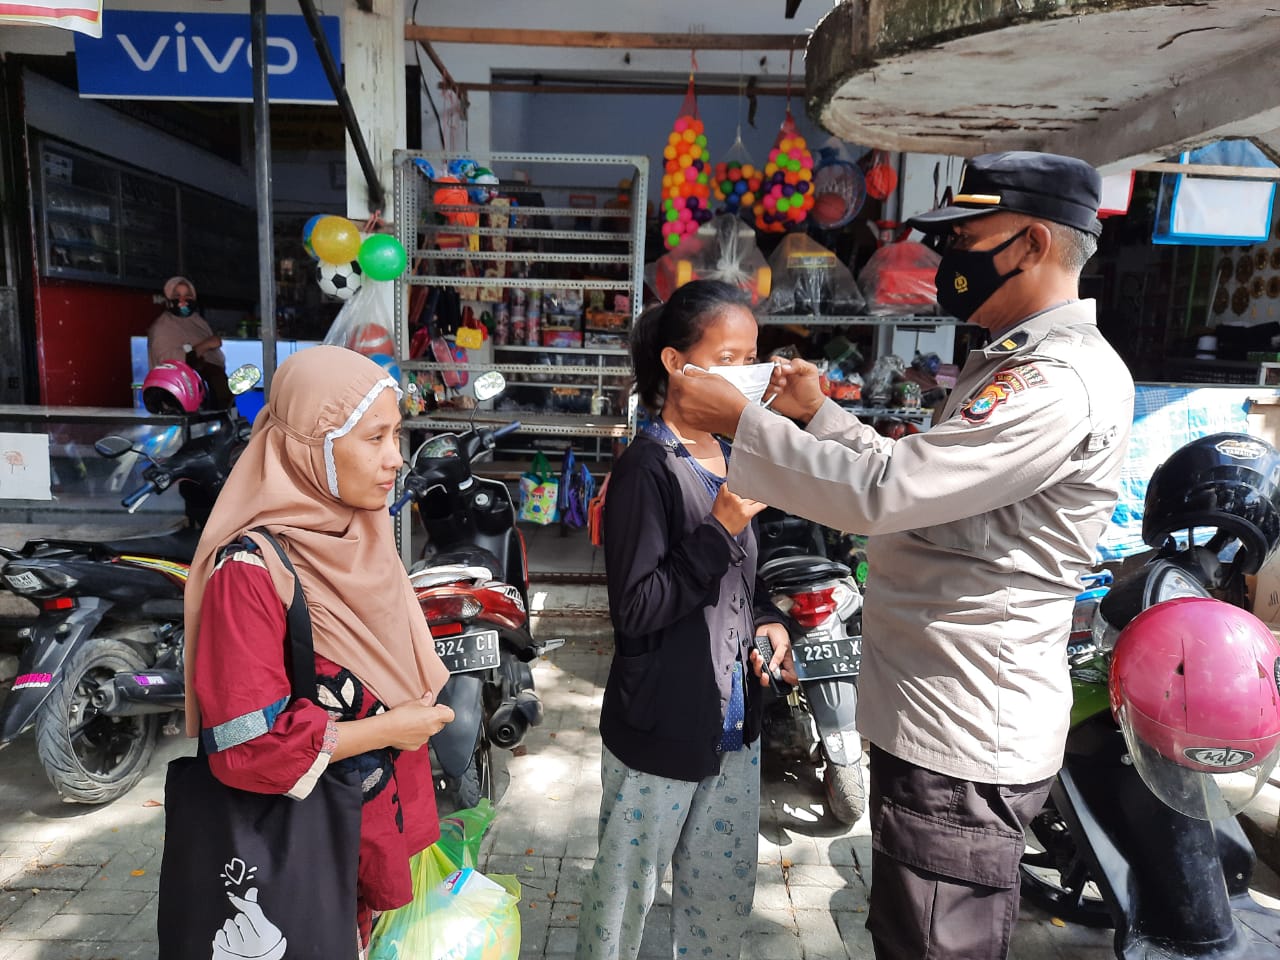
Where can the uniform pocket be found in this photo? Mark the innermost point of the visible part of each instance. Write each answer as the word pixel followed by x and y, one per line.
pixel 638 685
pixel 969 535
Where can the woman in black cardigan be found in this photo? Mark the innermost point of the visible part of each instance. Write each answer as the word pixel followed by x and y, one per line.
pixel 681 715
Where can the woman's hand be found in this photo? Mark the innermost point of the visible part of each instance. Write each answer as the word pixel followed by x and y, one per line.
pixel 796 384
pixel 406 726
pixel 413 722
pixel 734 512
pixel 782 658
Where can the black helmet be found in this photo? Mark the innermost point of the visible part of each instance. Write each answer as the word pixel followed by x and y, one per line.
pixel 1230 481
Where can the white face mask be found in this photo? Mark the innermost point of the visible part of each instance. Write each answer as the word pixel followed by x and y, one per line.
pixel 751 380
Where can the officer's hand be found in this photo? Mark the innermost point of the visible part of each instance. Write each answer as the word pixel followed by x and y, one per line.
pixel 782 657
pixel 706 402
pixel 796 384
pixel 734 512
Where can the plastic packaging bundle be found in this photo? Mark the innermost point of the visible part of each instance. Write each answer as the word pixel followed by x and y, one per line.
pixel 456 913
pixel 737 181
pixel 723 249
pixel 879 388
pixel 809 279
pixel 898 280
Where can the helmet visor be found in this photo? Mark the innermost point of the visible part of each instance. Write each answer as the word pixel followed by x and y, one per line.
pixel 1208 781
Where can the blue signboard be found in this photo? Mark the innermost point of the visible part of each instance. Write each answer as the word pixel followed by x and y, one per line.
pixel 144 55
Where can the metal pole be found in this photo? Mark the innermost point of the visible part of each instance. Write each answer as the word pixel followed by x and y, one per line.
pixel 377 196
pixel 262 176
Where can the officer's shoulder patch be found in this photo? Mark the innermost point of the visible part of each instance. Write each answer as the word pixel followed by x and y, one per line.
pixel 1002 386
pixel 1020 377
pixel 1009 343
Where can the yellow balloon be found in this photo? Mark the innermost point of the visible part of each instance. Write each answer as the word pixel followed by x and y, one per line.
pixel 335 240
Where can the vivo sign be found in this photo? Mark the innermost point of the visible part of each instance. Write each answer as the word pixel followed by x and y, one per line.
pixel 201 56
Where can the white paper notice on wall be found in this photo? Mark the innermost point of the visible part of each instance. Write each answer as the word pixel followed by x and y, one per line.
pixel 24 466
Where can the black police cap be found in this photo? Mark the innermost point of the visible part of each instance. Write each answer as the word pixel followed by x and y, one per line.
pixel 1043 185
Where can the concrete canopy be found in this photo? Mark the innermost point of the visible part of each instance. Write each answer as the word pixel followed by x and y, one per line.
pixel 1117 83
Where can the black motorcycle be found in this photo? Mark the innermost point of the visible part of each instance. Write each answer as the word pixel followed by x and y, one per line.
pixel 473 584
pixel 101 666
pixel 822 607
pixel 1112 854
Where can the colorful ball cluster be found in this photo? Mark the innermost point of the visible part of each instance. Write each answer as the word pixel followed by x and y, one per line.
pixel 737 186
pixel 686 182
pixel 787 191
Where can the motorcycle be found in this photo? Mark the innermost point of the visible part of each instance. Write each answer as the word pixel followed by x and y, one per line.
pixel 822 606
pixel 473 585
pixel 1112 853
pixel 101 666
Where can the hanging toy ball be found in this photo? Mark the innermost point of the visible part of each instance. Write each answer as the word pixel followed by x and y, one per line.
pixel 382 257
pixel 306 234
pixel 339 280
pixel 335 239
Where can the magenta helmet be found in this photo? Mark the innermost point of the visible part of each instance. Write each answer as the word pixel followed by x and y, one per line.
pixel 172 387
pixel 1195 686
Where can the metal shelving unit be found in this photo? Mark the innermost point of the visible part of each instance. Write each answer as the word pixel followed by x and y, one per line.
pixel 603 239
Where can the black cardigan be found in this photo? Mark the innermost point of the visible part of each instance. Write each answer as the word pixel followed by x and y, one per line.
pixel 672 570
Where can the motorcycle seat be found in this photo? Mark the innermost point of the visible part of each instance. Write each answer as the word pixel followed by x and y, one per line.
pixel 179 545
pixel 784 572
pixel 468 557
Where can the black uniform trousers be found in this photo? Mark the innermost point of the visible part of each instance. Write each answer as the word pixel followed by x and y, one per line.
pixel 944 863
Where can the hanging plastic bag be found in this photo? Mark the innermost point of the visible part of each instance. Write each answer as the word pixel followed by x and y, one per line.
pixel 839 188
pixel 737 181
pixel 723 249
pixel 810 279
pixel 539 492
pixel 457 913
pixel 363 325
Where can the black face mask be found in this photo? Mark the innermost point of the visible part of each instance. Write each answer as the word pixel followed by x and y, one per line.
pixel 966 279
pixel 182 308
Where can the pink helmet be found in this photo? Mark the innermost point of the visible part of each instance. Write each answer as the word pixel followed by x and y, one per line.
pixel 172 387
pixel 1195 687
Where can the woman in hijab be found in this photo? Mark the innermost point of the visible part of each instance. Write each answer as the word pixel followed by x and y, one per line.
pixel 324 455
pixel 180 330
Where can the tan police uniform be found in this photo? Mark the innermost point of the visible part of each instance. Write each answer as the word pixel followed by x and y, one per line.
pixel 980 528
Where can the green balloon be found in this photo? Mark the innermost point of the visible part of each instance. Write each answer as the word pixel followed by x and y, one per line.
pixel 382 257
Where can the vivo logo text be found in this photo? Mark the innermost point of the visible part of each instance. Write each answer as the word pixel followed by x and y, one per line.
pixel 202 56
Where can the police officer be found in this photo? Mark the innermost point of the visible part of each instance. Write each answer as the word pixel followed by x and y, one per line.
pixel 980 529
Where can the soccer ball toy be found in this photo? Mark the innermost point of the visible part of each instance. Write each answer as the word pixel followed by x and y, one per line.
pixel 339 280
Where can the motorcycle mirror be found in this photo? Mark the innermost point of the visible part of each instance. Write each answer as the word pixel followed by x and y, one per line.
pixel 489 385
pixel 244 378
pixel 113 446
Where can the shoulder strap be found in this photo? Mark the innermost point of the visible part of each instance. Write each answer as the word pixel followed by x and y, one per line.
pixel 302 656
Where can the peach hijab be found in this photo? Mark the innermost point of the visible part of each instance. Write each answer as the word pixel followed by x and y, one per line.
pixel 363 611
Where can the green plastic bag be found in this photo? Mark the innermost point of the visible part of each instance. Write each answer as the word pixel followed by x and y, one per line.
pixel 457 913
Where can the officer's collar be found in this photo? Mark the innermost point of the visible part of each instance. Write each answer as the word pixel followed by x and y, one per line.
pixel 1028 332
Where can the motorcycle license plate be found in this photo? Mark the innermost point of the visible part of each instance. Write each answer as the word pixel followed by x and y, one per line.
pixel 820 656
pixel 19 582
pixel 469 651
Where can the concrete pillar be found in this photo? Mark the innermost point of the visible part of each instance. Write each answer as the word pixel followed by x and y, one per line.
pixel 373 60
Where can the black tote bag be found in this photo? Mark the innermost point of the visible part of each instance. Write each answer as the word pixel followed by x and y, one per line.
pixel 263 876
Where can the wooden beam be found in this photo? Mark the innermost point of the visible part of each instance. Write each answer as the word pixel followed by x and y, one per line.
pixel 610 40
pixel 1212 170
pixel 703 89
